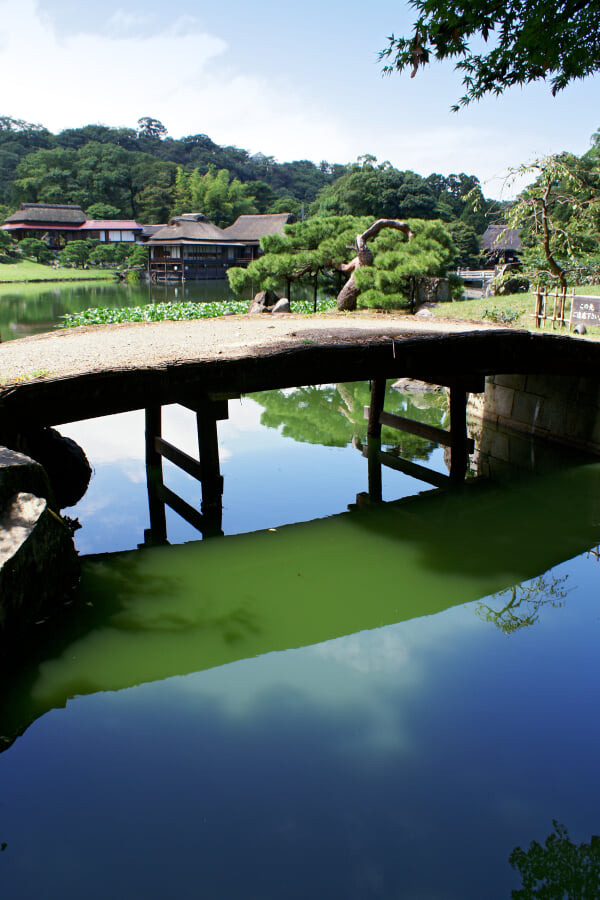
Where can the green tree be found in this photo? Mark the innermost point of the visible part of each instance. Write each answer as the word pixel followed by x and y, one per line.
pixel 286 204
pixel 521 604
pixel 75 254
pixel 379 191
pixel 321 248
pixel 306 250
pixel 558 869
pixel 220 198
pixel 333 415
pixel 182 192
pixel 6 245
pixel 153 183
pixel 48 176
pixel 17 139
pixel 103 255
pixel 102 211
pixel 400 261
pixel 138 255
pixel 559 215
pixel 151 128
pixel 466 242
pixel 527 40
pixel 37 249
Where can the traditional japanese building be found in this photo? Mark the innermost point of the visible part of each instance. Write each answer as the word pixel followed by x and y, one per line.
pixel 57 224
pixel 250 229
pixel 501 244
pixel 191 248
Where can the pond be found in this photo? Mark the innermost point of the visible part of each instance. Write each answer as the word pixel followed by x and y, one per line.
pixel 335 699
pixel 34 308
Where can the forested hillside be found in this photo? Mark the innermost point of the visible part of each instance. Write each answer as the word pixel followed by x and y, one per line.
pixel 145 174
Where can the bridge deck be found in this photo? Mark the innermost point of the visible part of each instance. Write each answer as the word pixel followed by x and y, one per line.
pixel 81 373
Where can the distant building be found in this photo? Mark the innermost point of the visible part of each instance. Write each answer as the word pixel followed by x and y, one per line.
pixel 57 224
pixel 191 248
pixel 501 244
pixel 250 229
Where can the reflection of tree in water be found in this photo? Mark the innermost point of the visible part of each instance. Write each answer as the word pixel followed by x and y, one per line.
pixel 333 415
pixel 524 602
pixel 558 870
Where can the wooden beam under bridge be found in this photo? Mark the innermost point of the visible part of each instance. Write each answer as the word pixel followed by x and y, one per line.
pixel 455 438
pixel 206 470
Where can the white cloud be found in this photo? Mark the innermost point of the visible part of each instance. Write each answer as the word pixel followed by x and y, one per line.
pixel 81 78
pixel 121 20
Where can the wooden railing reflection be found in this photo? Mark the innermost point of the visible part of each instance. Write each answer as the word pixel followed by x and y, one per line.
pixel 455 438
pixel 206 469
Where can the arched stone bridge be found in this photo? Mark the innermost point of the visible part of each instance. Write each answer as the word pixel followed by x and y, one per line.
pixel 65 376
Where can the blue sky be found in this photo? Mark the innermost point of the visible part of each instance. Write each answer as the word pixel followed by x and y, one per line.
pixel 294 81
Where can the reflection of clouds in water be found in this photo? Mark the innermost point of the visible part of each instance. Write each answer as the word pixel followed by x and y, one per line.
pixel 121 438
pixel 109 439
pixel 341 669
pixel 380 650
pixel 375 678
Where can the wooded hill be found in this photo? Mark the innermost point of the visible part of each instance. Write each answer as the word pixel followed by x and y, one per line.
pixel 144 174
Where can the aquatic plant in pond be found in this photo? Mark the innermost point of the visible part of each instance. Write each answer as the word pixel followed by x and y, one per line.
pixel 159 312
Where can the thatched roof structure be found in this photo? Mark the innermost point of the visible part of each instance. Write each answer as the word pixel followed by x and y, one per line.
pixel 48 214
pixel 189 227
pixel 499 237
pixel 252 228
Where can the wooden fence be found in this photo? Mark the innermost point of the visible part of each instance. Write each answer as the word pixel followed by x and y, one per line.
pixel 584 310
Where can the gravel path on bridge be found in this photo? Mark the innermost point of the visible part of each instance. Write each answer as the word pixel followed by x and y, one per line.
pixel 95 348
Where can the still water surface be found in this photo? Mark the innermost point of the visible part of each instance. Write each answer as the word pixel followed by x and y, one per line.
pixel 364 703
pixel 34 308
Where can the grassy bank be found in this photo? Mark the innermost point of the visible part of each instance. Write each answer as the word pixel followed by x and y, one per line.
pixel 27 270
pixel 513 309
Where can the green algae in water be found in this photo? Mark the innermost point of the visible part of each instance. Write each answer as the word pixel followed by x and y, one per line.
pixel 408 756
pixel 174 610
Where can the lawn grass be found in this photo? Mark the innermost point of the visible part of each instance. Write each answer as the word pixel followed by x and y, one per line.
pixel 512 309
pixel 27 270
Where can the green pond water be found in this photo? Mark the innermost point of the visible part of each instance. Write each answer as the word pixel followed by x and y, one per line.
pixel 335 699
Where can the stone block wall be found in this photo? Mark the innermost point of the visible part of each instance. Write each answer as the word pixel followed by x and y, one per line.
pixel 561 409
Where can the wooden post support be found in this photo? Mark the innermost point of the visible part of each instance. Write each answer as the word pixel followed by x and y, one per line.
pixel 374 468
pixel 378 386
pixel 157 532
pixel 458 434
pixel 210 472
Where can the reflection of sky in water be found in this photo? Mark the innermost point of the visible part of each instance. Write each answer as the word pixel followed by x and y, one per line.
pixel 269 479
pixel 401 761
pixel 405 761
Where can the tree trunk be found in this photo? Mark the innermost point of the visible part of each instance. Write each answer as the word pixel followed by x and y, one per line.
pixel 347 297
pixel 554 267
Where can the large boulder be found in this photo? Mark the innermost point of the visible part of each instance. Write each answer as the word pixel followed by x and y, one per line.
pixel 263 302
pixel 66 464
pixel 63 461
pixel 20 473
pixel 39 565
